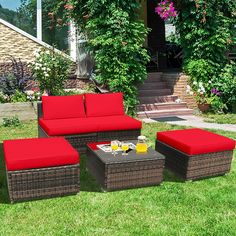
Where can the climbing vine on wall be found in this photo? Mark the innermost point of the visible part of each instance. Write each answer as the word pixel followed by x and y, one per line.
pixel 116 37
pixel 206 29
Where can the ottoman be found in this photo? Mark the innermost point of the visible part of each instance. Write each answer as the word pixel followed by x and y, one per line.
pixel 195 153
pixel 41 168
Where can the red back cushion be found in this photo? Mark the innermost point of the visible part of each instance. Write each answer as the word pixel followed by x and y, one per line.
pixel 109 104
pixel 63 107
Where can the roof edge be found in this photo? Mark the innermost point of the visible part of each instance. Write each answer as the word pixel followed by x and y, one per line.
pixel 29 36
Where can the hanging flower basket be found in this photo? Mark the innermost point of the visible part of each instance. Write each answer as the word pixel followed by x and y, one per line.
pixel 166 10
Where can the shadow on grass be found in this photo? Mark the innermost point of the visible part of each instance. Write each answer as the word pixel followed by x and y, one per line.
pixel 169 176
pixel 3 181
pixel 87 182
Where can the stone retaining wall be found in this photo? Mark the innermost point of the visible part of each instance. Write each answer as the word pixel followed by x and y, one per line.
pixel 23 110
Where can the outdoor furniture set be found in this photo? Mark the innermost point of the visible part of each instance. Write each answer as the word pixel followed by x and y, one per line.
pixel 49 166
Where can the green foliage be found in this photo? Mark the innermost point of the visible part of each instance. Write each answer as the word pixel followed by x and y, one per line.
pixel 18 97
pixel 221 118
pixel 226 82
pixel 11 122
pixel 207 33
pixel 116 37
pixel 50 69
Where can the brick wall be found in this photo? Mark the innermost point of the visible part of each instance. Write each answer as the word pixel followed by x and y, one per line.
pixel 178 83
pixel 15 44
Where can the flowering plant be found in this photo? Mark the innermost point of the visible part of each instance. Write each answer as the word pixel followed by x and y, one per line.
pixel 200 92
pixel 166 9
pixel 50 69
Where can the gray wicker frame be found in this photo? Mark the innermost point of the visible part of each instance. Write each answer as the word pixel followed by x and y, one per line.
pixel 196 166
pixel 114 173
pixel 24 185
pixel 79 141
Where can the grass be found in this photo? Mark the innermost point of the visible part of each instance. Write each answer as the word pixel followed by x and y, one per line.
pixel 206 207
pixel 220 119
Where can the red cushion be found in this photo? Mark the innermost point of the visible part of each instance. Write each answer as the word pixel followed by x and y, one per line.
pixel 68 126
pixel 22 154
pixel 109 104
pixel 62 107
pixel 196 141
pixel 89 125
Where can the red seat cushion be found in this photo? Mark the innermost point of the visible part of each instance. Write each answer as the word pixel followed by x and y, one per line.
pixel 22 154
pixel 196 141
pixel 109 104
pixel 89 125
pixel 68 126
pixel 62 107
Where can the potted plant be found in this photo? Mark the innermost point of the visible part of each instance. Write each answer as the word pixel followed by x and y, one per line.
pixel 201 96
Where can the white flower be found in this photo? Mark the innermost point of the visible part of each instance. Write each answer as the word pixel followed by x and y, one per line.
pixel 194 82
pixel 29 92
pixel 188 87
pixel 191 93
pixel 178 100
pixel 209 82
pixel 47 52
pixel 200 84
pixel 46 74
pixel 199 90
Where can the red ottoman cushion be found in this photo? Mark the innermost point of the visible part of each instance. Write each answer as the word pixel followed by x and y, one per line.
pixel 196 141
pixel 22 154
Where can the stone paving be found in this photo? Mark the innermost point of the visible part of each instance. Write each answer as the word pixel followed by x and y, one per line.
pixel 194 121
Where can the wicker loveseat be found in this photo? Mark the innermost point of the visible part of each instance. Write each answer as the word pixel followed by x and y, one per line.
pixel 86 118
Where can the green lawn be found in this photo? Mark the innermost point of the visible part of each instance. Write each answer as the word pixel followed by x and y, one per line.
pixel 206 207
pixel 220 119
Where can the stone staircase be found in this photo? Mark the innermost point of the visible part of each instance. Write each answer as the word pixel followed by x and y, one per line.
pixel 157 99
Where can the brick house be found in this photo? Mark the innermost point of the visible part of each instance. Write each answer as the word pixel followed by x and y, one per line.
pixel 163 93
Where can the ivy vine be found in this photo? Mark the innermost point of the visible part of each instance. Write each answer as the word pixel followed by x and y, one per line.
pixel 116 38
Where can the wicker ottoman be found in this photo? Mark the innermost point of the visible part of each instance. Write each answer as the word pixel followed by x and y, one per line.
pixel 41 168
pixel 195 153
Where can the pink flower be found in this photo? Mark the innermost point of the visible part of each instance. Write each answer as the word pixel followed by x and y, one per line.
pixel 69 7
pixel 166 9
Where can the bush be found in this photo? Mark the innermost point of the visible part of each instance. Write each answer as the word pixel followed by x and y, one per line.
pixel 51 69
pixel 11 122
pixel 14 80
pixel 226 84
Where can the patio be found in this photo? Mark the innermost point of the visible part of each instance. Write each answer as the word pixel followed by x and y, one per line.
pixel 175 207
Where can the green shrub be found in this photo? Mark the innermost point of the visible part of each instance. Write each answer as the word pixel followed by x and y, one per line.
pixel 11 122
pixel 51 69
pixel 18 97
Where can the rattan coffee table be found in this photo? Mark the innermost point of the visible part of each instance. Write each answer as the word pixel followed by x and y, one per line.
pixel 121 172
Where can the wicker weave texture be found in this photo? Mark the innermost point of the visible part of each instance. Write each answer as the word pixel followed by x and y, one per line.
pixel 41 183
pixel 196 166
pixel 115 176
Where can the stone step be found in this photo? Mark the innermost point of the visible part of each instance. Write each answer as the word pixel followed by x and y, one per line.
pixel 157 99
pixel 154 75
pixel 154 79
pixel 153 85
pixel 164 113
pixel 154 92
pixel 161 106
